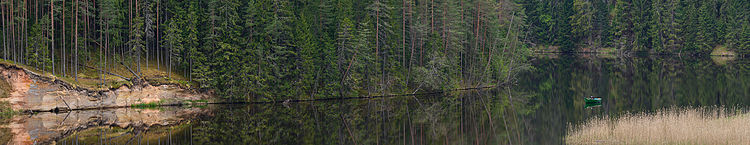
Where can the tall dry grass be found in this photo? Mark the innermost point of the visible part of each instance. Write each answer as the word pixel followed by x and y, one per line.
pixel 715 125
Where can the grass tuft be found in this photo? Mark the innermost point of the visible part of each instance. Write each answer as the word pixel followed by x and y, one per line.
pixel 6 111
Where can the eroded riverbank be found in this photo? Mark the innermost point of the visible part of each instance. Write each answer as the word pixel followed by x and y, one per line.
pixel 32 92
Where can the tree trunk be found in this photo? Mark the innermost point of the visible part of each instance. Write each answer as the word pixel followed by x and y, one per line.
pixel 52 16
pixel 476 32
pixel 26 25
pixel 22 32
pixel 5 29
pixel 106 47
pixel 377 37
pixel 63 39
pixel 72 36
pixel 75 63
pixel 146 45
pixel 86 22
pixel 11 48
pixel 403 34
pixel 102 66
pixel 156 39
pixel 377 33
pixel 432 16
pixel 169 50
pixel 412 33
pixel 138 50
pixel 13 33
pixel 130 34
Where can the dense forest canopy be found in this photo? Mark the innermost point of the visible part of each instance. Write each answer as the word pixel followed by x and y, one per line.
pixel 296 49
pixel 272 50
pixel 656 26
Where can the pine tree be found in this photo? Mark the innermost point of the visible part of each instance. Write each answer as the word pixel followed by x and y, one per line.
pixel 173 41
pixel 191 40
pixel 623 25
pixel 35 52
pixel 379 12
pixel 734 29
pixel 305 42
pixel 282 52
pixel 148 16
pixel 252 58
pixel 280 49
pixel 602 25
pixel 345 40
pixel 706 32
pixel 690 26
pixel 582 22
pixel 228 52
pixel 673 38
pixel 136 41
pixel 659 25
pixel 641 11
pixel 744 43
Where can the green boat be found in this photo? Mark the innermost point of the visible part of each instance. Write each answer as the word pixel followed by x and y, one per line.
pixel 593 100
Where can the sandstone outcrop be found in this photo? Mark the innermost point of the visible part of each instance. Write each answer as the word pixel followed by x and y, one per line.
pixel 34 92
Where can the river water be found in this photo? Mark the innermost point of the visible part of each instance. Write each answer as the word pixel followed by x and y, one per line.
pixel 542 108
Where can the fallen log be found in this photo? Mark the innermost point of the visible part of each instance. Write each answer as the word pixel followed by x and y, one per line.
pixel 131 70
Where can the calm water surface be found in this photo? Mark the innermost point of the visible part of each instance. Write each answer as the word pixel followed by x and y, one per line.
pixel 546 101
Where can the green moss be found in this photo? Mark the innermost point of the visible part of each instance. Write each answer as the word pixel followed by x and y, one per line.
pixel 147 105
pixel 6 111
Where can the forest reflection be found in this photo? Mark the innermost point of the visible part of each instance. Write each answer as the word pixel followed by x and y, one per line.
pixel 468 117
pixel 540 109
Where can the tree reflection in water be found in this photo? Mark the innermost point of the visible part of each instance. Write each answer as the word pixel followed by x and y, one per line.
pixel 467 117
pixel 546 101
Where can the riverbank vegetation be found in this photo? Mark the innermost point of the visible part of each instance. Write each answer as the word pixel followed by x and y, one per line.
pixel 270 50
pixel 669 126
pixel 654 26
pixel 6 111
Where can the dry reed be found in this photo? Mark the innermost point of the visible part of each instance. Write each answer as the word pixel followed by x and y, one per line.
pixel 715 125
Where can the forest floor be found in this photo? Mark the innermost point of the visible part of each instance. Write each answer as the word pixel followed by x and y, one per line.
pixel 89 75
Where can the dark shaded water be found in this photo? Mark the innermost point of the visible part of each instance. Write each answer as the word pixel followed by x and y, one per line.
pixel 538 110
